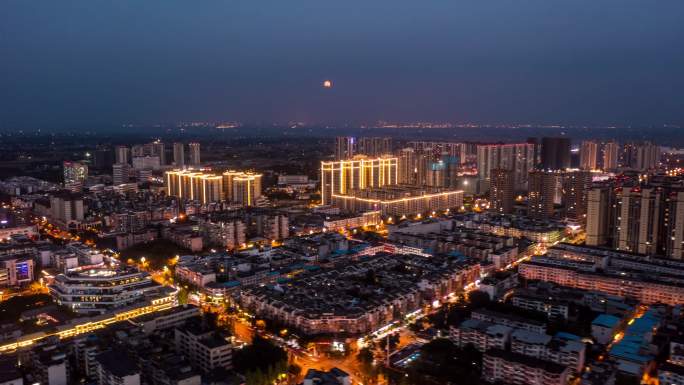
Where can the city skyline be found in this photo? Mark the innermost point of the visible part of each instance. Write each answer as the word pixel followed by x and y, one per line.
pixel 341 193
pixel 460 61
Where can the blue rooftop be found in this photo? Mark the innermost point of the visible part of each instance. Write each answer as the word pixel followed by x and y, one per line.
pixel 231 284
pixel 568 336
pixel 606 320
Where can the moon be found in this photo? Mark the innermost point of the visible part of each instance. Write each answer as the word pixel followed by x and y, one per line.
pixel 327 84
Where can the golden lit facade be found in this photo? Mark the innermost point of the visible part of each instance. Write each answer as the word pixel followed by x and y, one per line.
pixel 193 185
pixel 399 200
pixel 247 188
pixel 340 177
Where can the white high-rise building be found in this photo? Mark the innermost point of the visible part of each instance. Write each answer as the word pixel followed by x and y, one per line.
pixel 120 173
pixel 122 154
pixel 194 154
pixel 179 154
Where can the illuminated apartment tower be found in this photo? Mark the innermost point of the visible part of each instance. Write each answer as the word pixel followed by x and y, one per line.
pixel 588 155
pixel 598 216
pixel 190 185
pixel 194 153
pixel 408 169
pixel 518 157
pixel 577 185
pixel 339 177
pixel 247 188
pixel 639 216
pixel 344 147
pixel 75 174
pixel 179 155
pixel 646 219
pixel 674 225
pixel 541 194
pixel 610 156
pixel 242 187
pixel 228 178
pixel 501 191
pixel 212 189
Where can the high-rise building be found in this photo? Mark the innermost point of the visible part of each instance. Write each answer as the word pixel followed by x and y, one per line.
pixel 537 150
pixel 212 189
pixel 638 219
pixel 205 188
pixel 501 191
pixel 158 149
pixel 465 152
pixel 518 157
pixel 204 347
pixel 247 188
pixel 374 146
pixel 179 154
pixel 541 194
pixel 194 154
pixel 344 147
pixel 146 162
pixel 120 173
pixel 646 218
pixel 338 177
pixel 577 185
pixel 673 234
pixel 104 158
pixel 642 156
pixel 610 156
pixel 598 216
pixel 138 150
pixel 588 155
pixel 408 168
pixel 228 178
pixel 67 208
pixel 555 153
pixel 75 174
pixel 122 154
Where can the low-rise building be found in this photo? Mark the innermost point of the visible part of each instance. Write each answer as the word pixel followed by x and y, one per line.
pixel 116 368
pixel 346 300
pixel 166 319
pixel 562 351
pixel 530 300
pixel 670 374
pixel 509 320
pixel 604 327
pixel 513 368
pixel 334 376
pixel 205 348
pixel 101 290
pixel 481 334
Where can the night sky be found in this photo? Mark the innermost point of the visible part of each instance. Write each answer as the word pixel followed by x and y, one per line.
pixel 91 62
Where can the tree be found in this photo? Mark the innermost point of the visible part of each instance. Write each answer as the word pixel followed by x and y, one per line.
pixel 263 359
pixel 183 295
pixel 366 360
pixel 478 299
